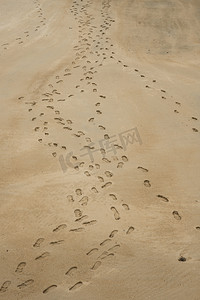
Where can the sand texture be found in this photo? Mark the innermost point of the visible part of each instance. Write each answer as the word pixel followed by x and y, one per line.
pixel 100 150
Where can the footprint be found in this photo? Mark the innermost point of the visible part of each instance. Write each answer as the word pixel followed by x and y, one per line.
pixel 93 189
pixel 147 183
pixel 56 242
pixel 107 255
pixel 113 196
pixel 106 137
pixel 113 233
pixel 20 267
pixel 195 130
pixel 114 247
pixel 125 206
pixel 76 286
pixel 81 218
pixel 84 201
pixel 78 213
pixel 165 199
pixel 71 271
pixel 51 287
pixel 43 255
pixel 94 250
pixel 60 227
pixel 90 222
pixel 38 242
pixel 105 242
pixel 5 286
pixel 107 184
pixel 87 173
pixel 70 198
pixel 96 265
pixel 108 174
pixel 124 158
pixel 78 192
pixel 25 284
pixel 91 120
pixel 116 213
pixel 120 165
pixel 100 178
pixel 143 169
pixel 80 229
pixel 176 215
pixel 131 229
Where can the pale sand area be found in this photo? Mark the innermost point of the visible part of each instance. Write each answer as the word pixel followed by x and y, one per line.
pixel 75 73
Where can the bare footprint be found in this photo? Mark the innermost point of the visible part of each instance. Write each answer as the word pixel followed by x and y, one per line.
pixel 131 229
pixel 120 165
pixel 108 173
pixel 94 250
pixel 56 242
pixel 71 271
pixel 80 229
pixel 94 190
pixel 60 227
pixel 76 286
pixel 92 222
pixel 113 196
pixel 143 169
pixel 81 218
pixel 147 183
pixel 43 255
pixel 78 192
pixel 96 265
pixel 26 284
pixel 107 184
pixel 124 158
pixel 195 130
pixel 50 288
pixel 78 213
pixel 87 173
pixel 113 233
pixel 165 199
pixel 105 242
pixel 116 213
pixel 5 286
pixel 84 201
pixel 20 267
pixel 38 242
pixel 125 206
pixel 176 215
pixel 70 198
pixel 114 247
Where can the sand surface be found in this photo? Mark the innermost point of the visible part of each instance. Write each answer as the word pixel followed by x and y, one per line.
pixel 100 163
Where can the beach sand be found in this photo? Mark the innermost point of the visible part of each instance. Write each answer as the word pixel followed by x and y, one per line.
pixel 100 158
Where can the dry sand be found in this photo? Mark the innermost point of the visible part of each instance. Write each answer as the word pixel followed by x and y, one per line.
pixel 118 80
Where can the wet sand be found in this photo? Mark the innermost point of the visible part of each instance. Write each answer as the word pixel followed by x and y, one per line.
pixel 99 150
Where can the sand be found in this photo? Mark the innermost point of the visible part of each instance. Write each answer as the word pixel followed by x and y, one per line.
pixel 100 150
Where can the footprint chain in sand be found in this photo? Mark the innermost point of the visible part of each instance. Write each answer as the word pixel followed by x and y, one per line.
pixel 38 22
pixel 94 47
